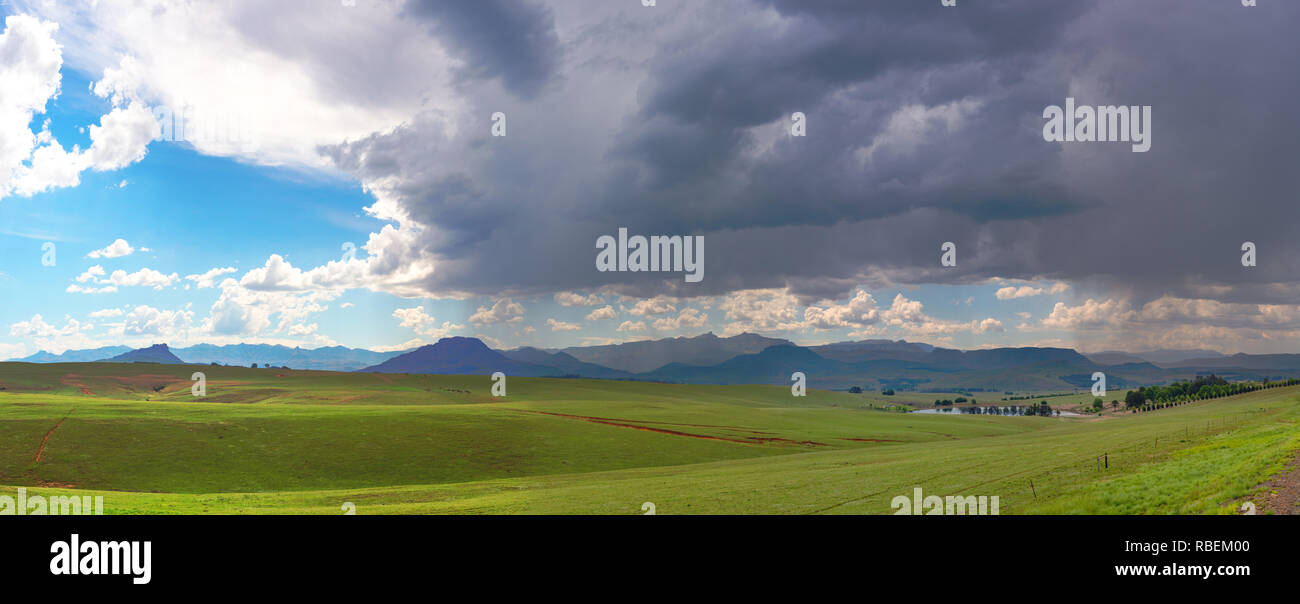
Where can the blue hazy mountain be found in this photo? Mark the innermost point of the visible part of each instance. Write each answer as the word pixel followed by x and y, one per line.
pixel 564 363
pixel 742 359
pixel 646 355
pixel 328 358
pixel 1170 357
pixel 771 366
pixel 1254 362
pixel 946 358
pixel 76 356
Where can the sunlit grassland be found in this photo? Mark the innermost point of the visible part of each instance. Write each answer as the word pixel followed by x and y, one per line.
pixel 275 441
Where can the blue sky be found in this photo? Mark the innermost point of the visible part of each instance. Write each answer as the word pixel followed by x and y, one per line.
pixel 370 125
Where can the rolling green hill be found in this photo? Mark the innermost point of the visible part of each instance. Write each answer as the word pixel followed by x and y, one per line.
pixel 284 441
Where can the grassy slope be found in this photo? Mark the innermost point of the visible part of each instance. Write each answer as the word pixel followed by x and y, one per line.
pixel 293 441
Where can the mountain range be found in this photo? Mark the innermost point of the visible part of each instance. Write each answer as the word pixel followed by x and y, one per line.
pixel 744 359
pixel 646 355
pixel 1159 357
pixel 329 358
pixel 88 355
pixel 873 364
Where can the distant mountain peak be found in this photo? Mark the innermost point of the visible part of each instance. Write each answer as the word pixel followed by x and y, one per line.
pixel 457 355
pixel 158 353
pixel 461 341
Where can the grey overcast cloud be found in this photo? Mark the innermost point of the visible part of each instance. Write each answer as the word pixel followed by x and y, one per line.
pixel 924 126
pixel 920 125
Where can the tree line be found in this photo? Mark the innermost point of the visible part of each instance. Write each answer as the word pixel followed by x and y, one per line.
pixel 1204 387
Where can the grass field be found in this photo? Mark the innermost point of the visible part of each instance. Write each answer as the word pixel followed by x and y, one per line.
pixel 286 441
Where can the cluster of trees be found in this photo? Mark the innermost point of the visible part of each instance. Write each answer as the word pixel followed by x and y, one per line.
pixel 250 365
pixel 858 390
pixel 1098 404
pixel 1202 388
pixel 1026 397
pixel 1040 409
pixel 950 402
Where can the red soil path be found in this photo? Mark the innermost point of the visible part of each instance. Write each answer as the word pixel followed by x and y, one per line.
pixel 41 450
pixel 74 380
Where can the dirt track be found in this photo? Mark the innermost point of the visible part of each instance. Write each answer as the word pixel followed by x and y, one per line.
pixel 41 450
pixel 74 380
pixel 1282 494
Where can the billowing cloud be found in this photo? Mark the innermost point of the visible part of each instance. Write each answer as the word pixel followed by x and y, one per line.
pixel 30 77
pixel 562 326
pixel 286 76
pixel 688 319
pixel 209 278
pixel 163 324
pixel 424 324
pixel 577 299
pixel 97 283
pixel 1025 291
pixel 145 277
pixel 859 312
pixel 632 326
pixel 651 307
pixel 249 311
pixel 921 129
pixel 501 311
pixel 52 338
pixel 117 249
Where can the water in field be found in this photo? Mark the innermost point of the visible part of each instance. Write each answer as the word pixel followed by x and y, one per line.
pixel 1001 411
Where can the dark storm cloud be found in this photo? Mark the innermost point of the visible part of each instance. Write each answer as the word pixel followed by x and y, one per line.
pixel 924 126
pixel 850 67
pixel 746 80
pixel 511 39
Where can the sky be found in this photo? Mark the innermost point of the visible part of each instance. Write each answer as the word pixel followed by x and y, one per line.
pixel 382 174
